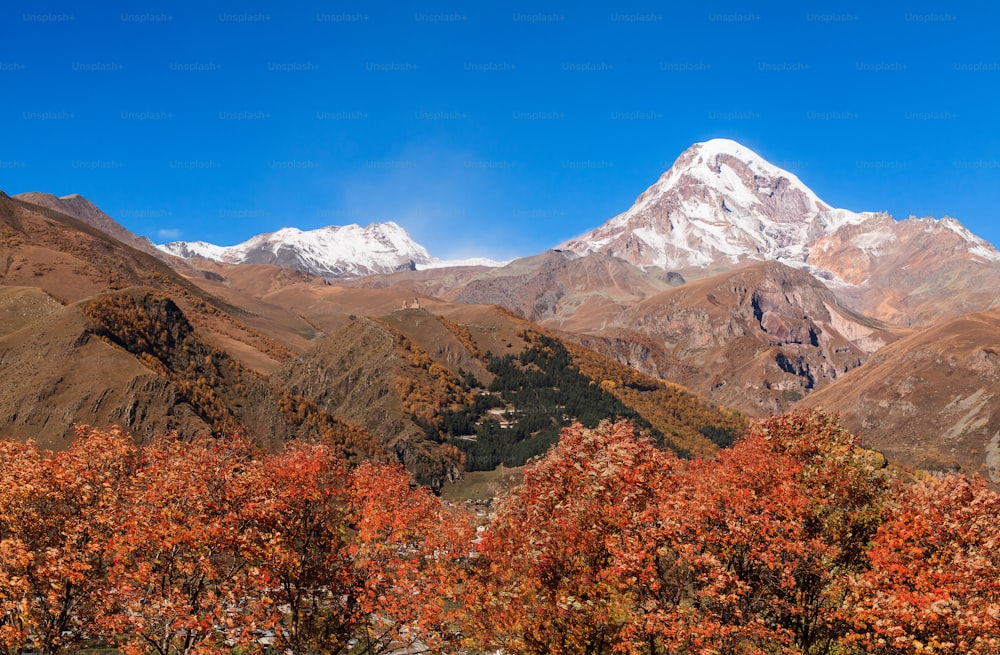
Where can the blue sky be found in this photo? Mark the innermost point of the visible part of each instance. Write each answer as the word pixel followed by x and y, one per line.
pixel 488 128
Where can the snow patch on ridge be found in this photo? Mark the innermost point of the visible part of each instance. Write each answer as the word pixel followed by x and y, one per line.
pixel 188 249
pixel 977 246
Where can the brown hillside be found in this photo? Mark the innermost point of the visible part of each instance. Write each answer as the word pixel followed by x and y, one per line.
pixel 687 421
pixel 330 307
pixel 494 330
pixel 398 374
pixel 369 373
pixel 556 289
pixel 71 260
pixel 450 344
pixel 79 207
pixel 227 396
pixel 20 306
pixel 930 400
pixel 244 286
pixel 131 358
pixel 561 289
pixel 57 372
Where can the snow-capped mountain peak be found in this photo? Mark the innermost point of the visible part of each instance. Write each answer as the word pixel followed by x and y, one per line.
pixel 333 251
pixel 719 203
pixel 724 162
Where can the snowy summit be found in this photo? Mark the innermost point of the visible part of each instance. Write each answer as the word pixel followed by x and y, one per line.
pixel 334 251
pixel 719 203
pixel 722 203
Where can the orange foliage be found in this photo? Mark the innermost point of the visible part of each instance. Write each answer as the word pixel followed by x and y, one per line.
pixel 57 512
pixel 350 440
pixel 613 546
pixel 789 542
pixel 151 326
pixel 210 546
pixel 425 387
pixel 464 335
pixel 547 579
pixel 406 551
pixel 934 584
pixel 753 549
pixel 177 580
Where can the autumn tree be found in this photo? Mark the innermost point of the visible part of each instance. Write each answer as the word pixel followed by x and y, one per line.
pixel 298 510
pixel 547 578
pixel 334 560
pixel 934 582
pixel 755 547
pixel 614 545
pixel 56 513
pixel 20 474
pixel 788 542
pixel 177 581
pixel 407 550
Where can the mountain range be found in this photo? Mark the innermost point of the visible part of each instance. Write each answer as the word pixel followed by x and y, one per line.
pixel 727 283
pixel 718 207
pixel 334 251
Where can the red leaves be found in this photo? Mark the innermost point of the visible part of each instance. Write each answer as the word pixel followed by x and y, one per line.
pixel 934 582
pixel 179 553
pixel 788 542
pixel 552 563
pixel 612 544
pixel 54 526
pixel 406 551
pixel 210 546
pixel 761 538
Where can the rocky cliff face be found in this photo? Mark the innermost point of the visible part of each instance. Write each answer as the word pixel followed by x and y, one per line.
pixel 759 338
pixel 912 272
